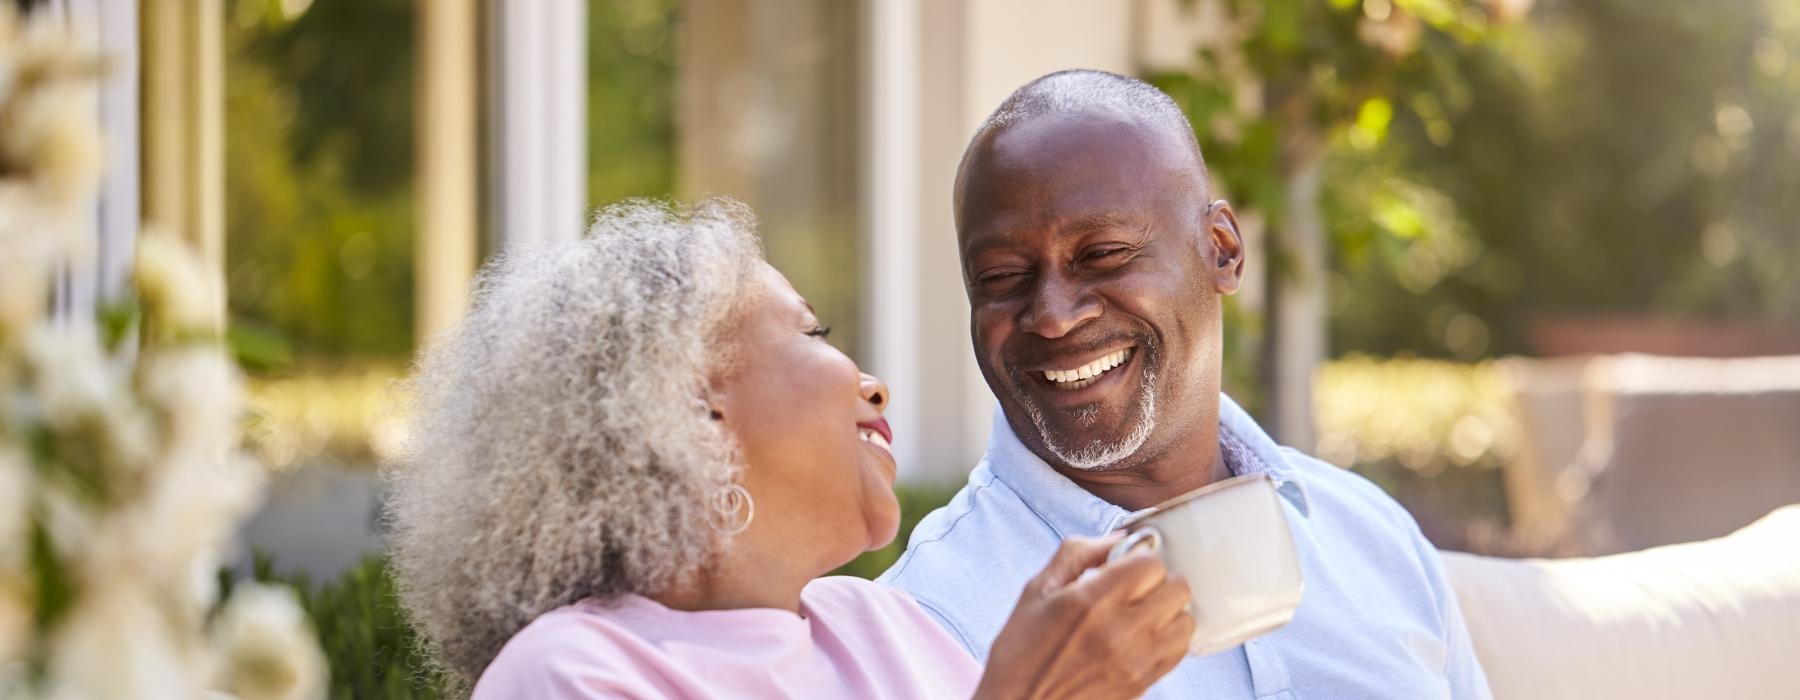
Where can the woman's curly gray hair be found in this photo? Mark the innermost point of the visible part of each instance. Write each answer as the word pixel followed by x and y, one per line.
pixel 559 448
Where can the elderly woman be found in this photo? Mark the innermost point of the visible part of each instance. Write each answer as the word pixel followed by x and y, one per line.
pixel 633 460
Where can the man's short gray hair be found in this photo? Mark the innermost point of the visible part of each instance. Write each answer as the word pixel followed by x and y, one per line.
pixel 559 447
pixel 1085 90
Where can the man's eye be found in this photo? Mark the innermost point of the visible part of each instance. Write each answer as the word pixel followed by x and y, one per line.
pixel 1000 282
pixel 1104 253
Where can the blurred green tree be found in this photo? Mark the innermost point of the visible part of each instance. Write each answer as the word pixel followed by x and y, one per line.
pixel 1615 157
pixel 318 173
pixel 319 124
pixel 1289 84
pixel 1478 174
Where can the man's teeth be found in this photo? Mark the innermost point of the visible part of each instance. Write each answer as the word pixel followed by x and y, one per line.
pixel 875 437
pixel 1089 370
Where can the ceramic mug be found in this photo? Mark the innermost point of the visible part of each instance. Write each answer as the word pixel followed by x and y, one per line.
pixel 1231 541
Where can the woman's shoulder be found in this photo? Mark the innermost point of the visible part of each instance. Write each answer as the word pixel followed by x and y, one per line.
pixel 575 646
pixel 866 602
pixel 884 627
pixel 851 590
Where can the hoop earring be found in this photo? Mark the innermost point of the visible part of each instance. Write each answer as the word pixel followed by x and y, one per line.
pixel 727 503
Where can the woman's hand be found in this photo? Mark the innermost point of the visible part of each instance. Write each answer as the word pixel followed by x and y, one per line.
pixel 1108 635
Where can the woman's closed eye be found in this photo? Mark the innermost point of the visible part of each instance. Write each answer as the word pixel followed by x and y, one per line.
pixel 820 332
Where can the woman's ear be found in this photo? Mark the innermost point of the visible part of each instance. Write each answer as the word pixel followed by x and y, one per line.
pixel 710 406
pixel 1227 246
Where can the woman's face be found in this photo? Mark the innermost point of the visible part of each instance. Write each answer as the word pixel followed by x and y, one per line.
pixel 809 427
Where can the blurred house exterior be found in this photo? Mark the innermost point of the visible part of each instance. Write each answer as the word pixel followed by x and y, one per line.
pixel 839 123
pixel 828 117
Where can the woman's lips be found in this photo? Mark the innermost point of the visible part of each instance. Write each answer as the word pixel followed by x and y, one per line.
pixel 879 426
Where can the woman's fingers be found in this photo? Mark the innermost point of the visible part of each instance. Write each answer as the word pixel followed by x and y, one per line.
pixel 1126 580
pixel 1169 599
pixel 1075 556
pixel 1174 637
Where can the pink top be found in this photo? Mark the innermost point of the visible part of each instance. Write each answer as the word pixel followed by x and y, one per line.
pixel 853 639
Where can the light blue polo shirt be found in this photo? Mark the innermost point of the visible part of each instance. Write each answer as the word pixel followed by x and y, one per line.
pixel 1378 618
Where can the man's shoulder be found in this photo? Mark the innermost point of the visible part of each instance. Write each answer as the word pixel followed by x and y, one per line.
pixel 1346 492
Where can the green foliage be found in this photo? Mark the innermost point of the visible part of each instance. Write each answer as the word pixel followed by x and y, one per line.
pixel 631 99
pixel 372 651
pixel 319 162
pixel 1599 170
pixel 1482 173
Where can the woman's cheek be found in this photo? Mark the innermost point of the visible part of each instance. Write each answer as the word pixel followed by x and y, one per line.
pixel 882 511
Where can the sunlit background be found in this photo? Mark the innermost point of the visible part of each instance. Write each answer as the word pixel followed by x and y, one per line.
pixel 1533 267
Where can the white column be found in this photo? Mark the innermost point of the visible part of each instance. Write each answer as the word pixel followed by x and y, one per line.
pixel 891 220
pixel 120 207
pixel 184 126
pixel 111 25
pixel 445 162
pixel 538 103
pixel 935 69
pixel 1008 43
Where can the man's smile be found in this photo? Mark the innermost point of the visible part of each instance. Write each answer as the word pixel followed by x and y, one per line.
pixel 1084 379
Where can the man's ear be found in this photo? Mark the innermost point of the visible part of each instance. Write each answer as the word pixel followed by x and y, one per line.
pixel 1227 247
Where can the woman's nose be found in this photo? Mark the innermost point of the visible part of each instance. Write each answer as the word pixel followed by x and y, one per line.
pixel 874 391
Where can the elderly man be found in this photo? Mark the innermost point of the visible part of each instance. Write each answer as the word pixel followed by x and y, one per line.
pixel 1094 261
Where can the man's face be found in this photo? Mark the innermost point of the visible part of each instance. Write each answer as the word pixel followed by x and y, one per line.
pixel 1090 256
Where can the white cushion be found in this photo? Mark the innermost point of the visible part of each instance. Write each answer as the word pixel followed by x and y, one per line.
pixel 1712 619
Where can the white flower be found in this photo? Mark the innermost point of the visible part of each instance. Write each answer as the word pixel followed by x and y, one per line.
pixel 267 648
pixel 120 642
pixel 201 397
pixel 15 491
pixel 83 397
pixel 179 293
pixel 188 515
pixel 15 607
pixel 52 129
pixel 49 125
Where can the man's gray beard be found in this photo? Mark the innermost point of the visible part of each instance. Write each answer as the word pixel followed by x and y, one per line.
pixel 1098 454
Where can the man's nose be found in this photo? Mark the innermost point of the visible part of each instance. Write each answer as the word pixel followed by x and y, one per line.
pixel 1061 305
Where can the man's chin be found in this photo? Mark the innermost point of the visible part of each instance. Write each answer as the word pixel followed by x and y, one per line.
pixel 1091 442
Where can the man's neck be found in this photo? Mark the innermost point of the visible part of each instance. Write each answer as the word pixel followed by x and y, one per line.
pixel 1184 465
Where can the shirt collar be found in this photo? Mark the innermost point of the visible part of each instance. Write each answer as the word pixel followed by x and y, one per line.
pixel 1071 510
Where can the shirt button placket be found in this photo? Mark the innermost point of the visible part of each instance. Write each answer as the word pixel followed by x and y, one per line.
pixel 1268 672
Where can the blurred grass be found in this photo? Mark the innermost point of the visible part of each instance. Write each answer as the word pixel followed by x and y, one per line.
pixel 347 415
pixel 1433 434
pixel 1426 416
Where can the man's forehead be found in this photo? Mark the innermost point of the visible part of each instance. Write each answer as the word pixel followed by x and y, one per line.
pixel 1074 137
pixel 1062 172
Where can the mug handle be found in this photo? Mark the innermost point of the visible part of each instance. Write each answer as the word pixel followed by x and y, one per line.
pixel 1146 537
